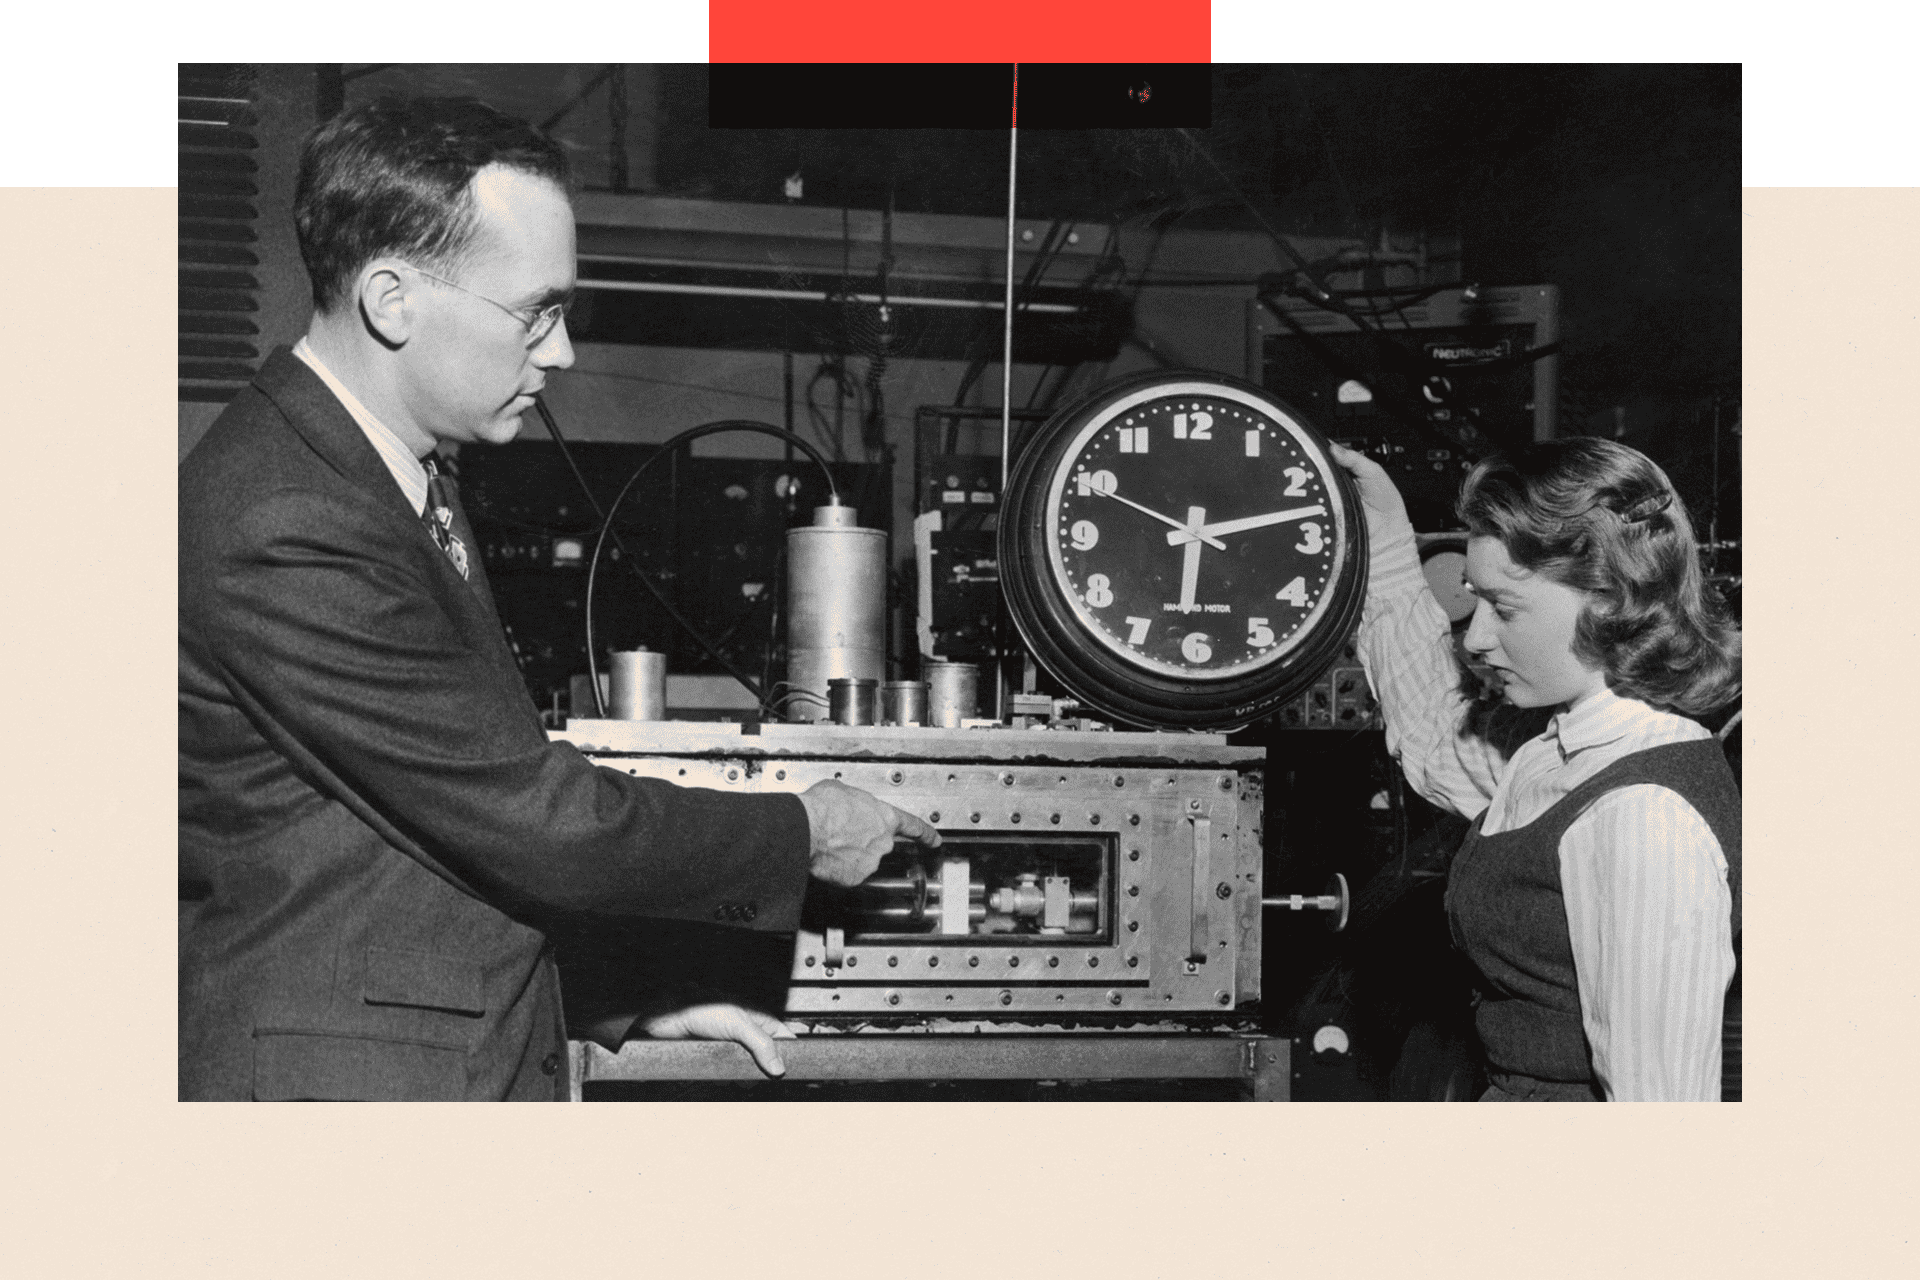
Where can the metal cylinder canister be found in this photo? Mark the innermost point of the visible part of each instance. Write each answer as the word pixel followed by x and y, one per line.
pixel 953 692
pixel 836 607
pixel 903 702
pixel 638 688
pixel 853 701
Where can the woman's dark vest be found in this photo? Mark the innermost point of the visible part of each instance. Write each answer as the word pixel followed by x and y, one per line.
pixel 1505 907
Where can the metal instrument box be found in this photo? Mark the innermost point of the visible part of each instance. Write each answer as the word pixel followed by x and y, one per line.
pixel 1100 878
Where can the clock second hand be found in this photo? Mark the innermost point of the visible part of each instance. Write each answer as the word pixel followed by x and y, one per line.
pixel 1189 532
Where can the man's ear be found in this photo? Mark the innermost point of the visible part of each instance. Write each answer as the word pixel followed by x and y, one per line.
pixel 386 302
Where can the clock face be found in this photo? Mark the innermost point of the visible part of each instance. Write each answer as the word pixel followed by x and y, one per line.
pixel 1196 530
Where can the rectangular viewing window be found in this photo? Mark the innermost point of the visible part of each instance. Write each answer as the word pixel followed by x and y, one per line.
pixel 985 888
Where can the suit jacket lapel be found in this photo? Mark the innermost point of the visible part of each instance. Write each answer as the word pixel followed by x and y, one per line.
pixel 330 431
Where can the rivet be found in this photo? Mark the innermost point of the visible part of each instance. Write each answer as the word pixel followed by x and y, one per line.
pixel 1193 806
pixel 1223 997
pixel 1094 818
pixel 893 997
pixel 1133 962
pixel 1006 779
pixel 1133 926
pixel 1015 818
pixel 934 816
pixel 1133 891
pixel 974 816
pixel 1093 962
pixel 852 961
pixel 933 962
pixel 1055 819
pixel 1223 890
pixel 973 962
pixel 1006 997
pixel 733 775
pixel 893 962
pixel 896 777
pixel 1013 962
pixel 809 962
pixel 1226 782
pixel 1133 819
pixel 1053 962
pixel 1119 779
pixel 780 775
pixel 1133 855
pixel 1113 997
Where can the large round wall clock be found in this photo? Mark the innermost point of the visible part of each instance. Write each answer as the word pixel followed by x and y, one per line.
pixel 1181 551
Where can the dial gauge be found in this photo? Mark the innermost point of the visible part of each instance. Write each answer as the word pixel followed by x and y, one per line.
pixel 1185 550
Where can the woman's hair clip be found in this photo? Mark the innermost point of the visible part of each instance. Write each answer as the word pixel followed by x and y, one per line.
pixel 1644 509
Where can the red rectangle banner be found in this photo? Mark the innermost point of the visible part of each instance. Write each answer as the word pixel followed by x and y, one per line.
pixel 962 31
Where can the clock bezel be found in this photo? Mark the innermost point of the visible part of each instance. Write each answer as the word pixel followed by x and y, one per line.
pixel 1217 389
pixel 1123 690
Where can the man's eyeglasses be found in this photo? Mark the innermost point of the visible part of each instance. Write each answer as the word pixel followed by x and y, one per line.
pixel 537 328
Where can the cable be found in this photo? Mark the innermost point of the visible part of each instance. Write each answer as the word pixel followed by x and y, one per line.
pixel 607 530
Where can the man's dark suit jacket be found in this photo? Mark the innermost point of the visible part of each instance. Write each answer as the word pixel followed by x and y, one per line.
pixel 376 835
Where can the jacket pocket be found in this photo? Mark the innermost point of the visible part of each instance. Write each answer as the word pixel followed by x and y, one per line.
pixel 423 980
pixel 290 1066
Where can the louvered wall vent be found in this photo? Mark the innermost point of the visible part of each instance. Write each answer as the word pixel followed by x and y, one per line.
pixel 219 281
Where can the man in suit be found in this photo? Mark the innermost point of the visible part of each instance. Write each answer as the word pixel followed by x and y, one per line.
pixel 377 839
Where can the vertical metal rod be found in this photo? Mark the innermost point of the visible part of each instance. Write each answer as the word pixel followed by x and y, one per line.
pixel 1006 342
pixel 1006 376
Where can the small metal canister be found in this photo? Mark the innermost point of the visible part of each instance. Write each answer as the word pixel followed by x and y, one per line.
pixel 638 689
pixel 853 700
pixel 953 692
pixel 903 702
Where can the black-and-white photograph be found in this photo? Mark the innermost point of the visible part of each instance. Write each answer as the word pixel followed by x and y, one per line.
pixel 1174 582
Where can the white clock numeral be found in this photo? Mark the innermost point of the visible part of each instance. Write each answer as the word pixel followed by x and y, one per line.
pixel 1253 443
pixel 1086 534
pixel 1140 626
pixel 1133 440
pixel 1090 482
pixel 1193 426
pixel 1297 478
pixel 1259 634
pixel 1313 543
pixel 1294 593
pixel 1194 648
pixel 1099 591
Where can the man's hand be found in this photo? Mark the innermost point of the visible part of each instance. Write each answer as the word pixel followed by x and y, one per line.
pixel 1386 509
pixel 851 831
pixel 753 1031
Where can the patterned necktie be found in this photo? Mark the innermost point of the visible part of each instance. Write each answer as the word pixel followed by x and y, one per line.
pixel 439 516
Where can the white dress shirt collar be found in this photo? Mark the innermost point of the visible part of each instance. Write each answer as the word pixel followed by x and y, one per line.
pixel 1597 719
pixel 408 471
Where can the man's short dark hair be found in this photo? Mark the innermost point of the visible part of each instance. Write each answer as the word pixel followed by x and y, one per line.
pixel 392 177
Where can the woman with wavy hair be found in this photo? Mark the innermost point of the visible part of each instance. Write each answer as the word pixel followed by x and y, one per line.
pixel 1597 892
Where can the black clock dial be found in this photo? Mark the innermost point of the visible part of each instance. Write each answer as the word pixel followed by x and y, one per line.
pixel 1194 532
pixel 1181 550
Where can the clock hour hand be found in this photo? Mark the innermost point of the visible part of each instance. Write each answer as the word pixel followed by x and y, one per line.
pixel 1188 534
pixel 1190 563
pixel 1208 531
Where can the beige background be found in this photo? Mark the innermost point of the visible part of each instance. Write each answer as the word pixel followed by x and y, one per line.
pixel 106 1175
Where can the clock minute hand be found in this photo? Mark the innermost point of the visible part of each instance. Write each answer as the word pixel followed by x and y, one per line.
pixel 1244 523
pixel 1202 534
